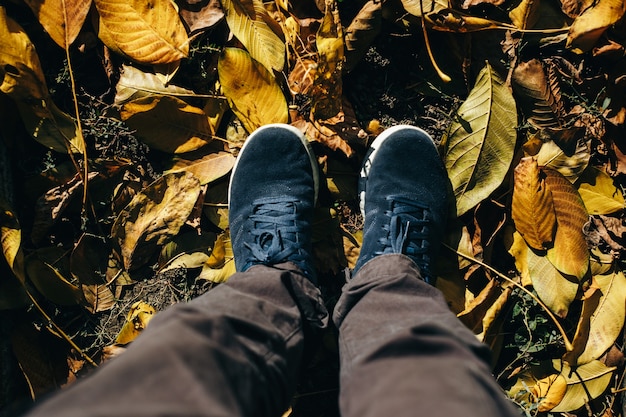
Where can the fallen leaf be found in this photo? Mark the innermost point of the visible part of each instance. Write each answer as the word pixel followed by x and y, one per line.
pixel 584 383
pixel 252 92
pixel 221 263
pixel 361 32
pixel 327 89
pixel 250 23
pixel 154 216
pixel 48 269
pixel 167 123
pixel 207 167
pixel 23 81
pixel 525 14
pixel 549 391
pixel 201 15
pixel 419 8
pixel 88 265
pixel 147 32
pixel 135 83
pixel 532 208
pixel 592 23
pixel 570 166
pixel 599 193
pixel 137 320
pixel 570 254
pixel 61 19
pixel 480 143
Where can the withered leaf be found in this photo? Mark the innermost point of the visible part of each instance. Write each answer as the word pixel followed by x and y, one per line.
pixel 167 123
pixel 147 32
pixel 361 32
pixel 153 216
pixel 137 320
pixel 62 19
pixel 592 23
pixel 532 208
pixel 88 264
pixel 599 192
pixel 570 254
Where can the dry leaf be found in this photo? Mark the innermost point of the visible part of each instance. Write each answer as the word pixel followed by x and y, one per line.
pixel 584 383
pixel 24 82
pixel 154 216
pixel 599 193
pixel 361 32
pixel 252 92
pixel 480 143
pixel 167 123
pixel 326 94
pixel 11 238
pixel 571 165
pixel 137 320
pixel 570 254
pixel 549 391
pixel 135 83
pixel 147 32
pixel 207 167
pixel 250 23
pixel 592 23
pixel 48 269
pixel 525 14
pixel 62 19
pixel 88 265
pixel 532 209
pixel 419 8
pixel 221 263
pixel 200 15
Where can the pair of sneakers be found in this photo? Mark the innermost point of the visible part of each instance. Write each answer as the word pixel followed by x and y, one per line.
pixel 274 187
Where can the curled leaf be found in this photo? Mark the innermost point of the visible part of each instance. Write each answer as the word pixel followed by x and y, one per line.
pixel 584 383
pixel 137 320
pixel 592 23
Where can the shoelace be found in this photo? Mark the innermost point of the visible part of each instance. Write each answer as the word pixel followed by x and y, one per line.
pixel 408 231
pixel 275 233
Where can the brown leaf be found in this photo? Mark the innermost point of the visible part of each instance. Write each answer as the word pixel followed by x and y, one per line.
pixel 361 32
pixel 592 23
pixel 569 254
pixel 154 216
pixel 541 104
pixel 206 166
pixel 48 269
pixel 532 207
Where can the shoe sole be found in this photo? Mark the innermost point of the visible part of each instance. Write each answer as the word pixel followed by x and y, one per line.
pixel 303 140
pixel 369 157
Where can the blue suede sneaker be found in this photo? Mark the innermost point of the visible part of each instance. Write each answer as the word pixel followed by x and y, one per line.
pixel 272 194
pixel 403 198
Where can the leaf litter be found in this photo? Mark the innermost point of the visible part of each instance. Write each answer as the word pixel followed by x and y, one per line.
pixel 121 144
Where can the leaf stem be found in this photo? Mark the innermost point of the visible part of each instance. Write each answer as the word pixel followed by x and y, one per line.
pixel 568 344
pixel 444 77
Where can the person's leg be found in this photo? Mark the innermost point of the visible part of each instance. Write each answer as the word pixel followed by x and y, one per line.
pixel 236 350
pixel 402 352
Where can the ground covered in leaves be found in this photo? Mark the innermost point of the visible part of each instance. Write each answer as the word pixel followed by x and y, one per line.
pixel 120 123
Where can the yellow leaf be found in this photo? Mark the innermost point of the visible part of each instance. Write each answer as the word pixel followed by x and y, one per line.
pixel 570 254
pixel 62 19
pixel 221 263
pixel 327 85
pixel 167 123
pixel 24 82
pixel 607 319
pixel 524 15
pixel 250 23
pixel 147 32
pixel 599 193
pixel 584 383
pixel 137 320
pixel 135 83
pixel 416 9
pixel 532 209
pixel 592 23
pixel 252 92
pixel 207 168
pixel 549 391
pixel 153 216
pixel 570 166
pixel 11 238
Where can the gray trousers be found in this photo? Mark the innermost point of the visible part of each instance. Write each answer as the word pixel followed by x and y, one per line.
pixel 236 351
